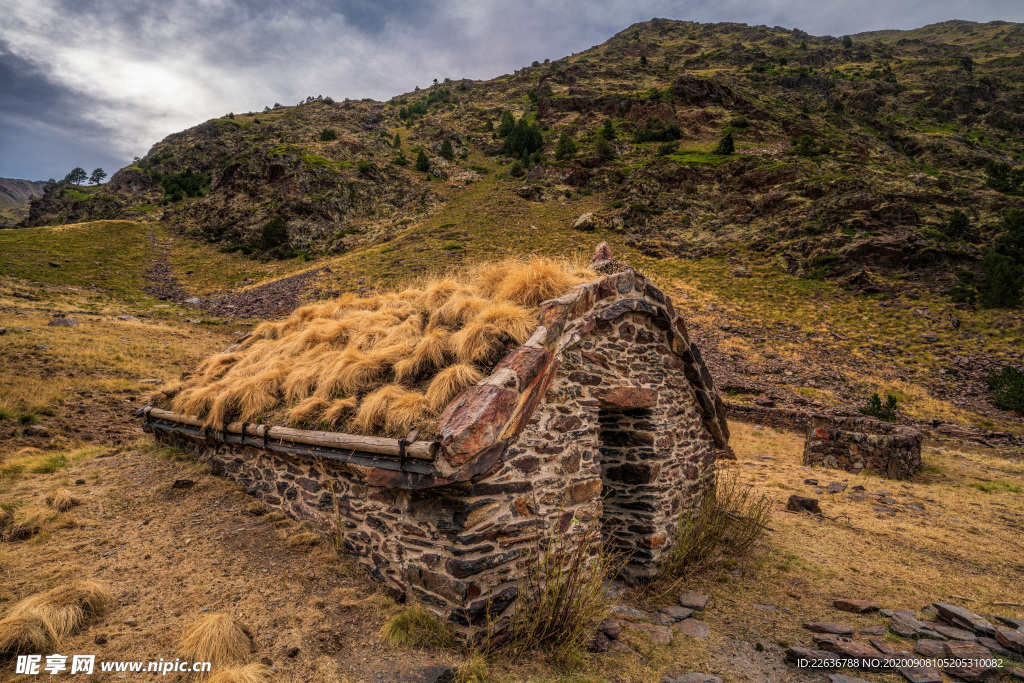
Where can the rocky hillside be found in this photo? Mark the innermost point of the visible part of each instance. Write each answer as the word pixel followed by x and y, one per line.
pixel 836 157
pixel 14 197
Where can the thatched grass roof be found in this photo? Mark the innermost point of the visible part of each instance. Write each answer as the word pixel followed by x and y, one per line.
pixel 385 363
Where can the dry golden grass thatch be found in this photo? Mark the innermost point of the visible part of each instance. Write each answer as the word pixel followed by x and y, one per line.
pixel 27 522
pixel 61 500
pixel 251 673
pixel 44 619
pixel 216 638
pixel 389 362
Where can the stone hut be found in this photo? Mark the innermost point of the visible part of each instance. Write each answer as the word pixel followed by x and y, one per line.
pixel 608 410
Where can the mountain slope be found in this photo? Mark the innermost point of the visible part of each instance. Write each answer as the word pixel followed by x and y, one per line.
pixel 14 197
pixel 850 154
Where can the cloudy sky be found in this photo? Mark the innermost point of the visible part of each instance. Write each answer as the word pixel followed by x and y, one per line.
pixel 95 82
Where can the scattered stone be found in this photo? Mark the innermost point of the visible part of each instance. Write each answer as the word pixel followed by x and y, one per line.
pixel 889 612
pixel 63 322
pixel 1012 623
pixel 438 673
pixel 836 487
pixel 37 430
pixel 978 657
pixel 801 504
pixel 100 639
pixel 995 646
pixel 627 612
pixel 829 627
pixel 79 482
pixel 765 608
pixel 600 643
pixel 183 484
pixel 811 482
pixel 799 655
pixel 677 613
pixel 964 618
pixel 692 678
pixel 694 628
pixel 662 635
pixel 292 653
pixel 840 678
pixel 877 630
pixel 694 601
pixel 764 402
pixel 858 487
pixel 151 380
pixel 663 619
pixel 3 331
pixel 932 649
pixel 131 621
pixel 921 674
pixel 614 589
pixel 585 222
pixel 855 606
pixel 848 648
pixel 951 632
pixel 1012 640
pixel 741 271
pixel 193 300
pixel 611 628
pixel 904 625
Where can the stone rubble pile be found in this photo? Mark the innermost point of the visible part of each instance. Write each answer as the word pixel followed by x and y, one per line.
pixel 943 631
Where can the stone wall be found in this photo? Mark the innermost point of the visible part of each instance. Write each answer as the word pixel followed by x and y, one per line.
pixel 620 419
pixel 892 451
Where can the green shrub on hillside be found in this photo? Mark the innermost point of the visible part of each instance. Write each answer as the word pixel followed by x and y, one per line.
pixel 958 224
pixel 608 130
pixel 1002 177
pixel 726 144
pixel 566 148
pixel 1001 281
pixel 523 140
pixel 656 130
pixel 422 162
pixel 328 134
pixel 183 184
pixel 883 411
pixel 447 151
pixel 1007 388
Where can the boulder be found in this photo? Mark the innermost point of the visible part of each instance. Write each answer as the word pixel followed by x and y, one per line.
pixel 585 222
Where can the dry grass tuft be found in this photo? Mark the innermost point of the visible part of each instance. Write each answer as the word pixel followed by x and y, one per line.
pixel 61 500
pixel 216 638
pixel 27 522
pixel 23 635
pixel 44 619
pixel 251 673
pixel 304 539
pixel 390 361
pixel 416 626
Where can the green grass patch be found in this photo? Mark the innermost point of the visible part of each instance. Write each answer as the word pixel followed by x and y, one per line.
pixel 690 157
pixel 997 485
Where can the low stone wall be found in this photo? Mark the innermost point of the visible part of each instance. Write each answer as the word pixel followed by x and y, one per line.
pixel 779 418
pixel 892 451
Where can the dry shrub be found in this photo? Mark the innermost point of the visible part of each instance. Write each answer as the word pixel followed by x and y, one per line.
pixel 387 362
pixel 416 626
pixel 304 539
pixel 251 673
pixel 561 593
pixel 44 619
pixel 61 500
pixel 23 635
pixel 729 522
pixel 216 638
pixel 27 522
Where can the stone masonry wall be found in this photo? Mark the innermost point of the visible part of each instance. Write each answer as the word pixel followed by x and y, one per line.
pixel 461 548
pixel 895 453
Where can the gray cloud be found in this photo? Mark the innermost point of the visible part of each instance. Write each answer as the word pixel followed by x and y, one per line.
pixel 94 82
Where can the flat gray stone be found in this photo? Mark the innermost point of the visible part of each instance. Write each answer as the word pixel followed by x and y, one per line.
pixel 694 628
pixel 840 678
pixel 627 612
pixel 964 618
pixel 694 601
pixel 676 612
pixel 932 649
pixel 662 635
pixel 692 678
pixel 830 627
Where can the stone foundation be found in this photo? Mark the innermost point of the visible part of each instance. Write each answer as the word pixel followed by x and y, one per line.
pixel 882 448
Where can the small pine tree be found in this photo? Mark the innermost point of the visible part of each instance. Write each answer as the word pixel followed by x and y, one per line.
pixel 328 134
pixel 422 162
pixel 1001 281
pixel 447 152
pixel 397 142
pixel 603 149
pixel 1007 388
pixel 608 130
pixel 883 411
pixel 726 144
pixel 566 148
pixel 507 125
pixel 643 60
pixel 97 176
pixel 958 224
pixel 847 42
